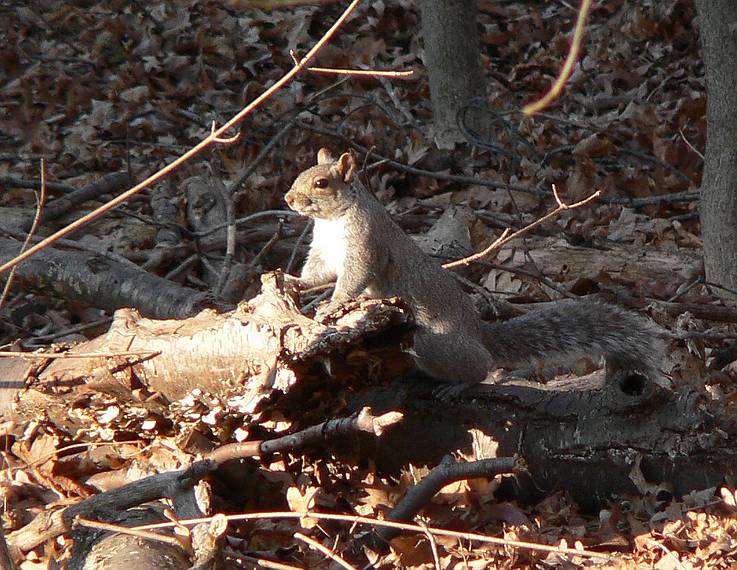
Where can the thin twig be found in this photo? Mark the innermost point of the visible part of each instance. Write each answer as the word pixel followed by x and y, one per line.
pixel 343 71
pixel 300 239
pixel 317 300
pixel 265 563
pixel 182 267
pixel 213 137
pixel 242 221
pixel 487 251
pixel 688 142
pixel 377 522
pixel 312 543
pixel 433 546
pixel 71 330
pixel 148 535
pixel 230 239
pixel 40 201
pixel 565 72
pixel 506 237
pixel 362 72
pixel 261 156
pixel 267 246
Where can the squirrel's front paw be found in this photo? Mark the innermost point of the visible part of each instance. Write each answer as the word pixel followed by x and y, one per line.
pixel 324 312
pixel 292 280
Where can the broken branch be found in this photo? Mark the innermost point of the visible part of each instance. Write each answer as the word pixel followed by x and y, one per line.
pixel 506 237
pixel 191 153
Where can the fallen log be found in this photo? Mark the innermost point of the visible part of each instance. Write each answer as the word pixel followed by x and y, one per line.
pixel 594 443
pixel 246 355
pixel 574 435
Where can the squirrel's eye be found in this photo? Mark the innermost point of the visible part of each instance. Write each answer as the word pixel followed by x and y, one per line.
pixel 321 182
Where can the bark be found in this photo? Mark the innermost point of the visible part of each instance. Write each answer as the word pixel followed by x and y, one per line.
pixel 630 265
pixel 575 436
pixel 596 444
pixel 250 354
pixel 102 283
pixel 718 207
pixel 111 183
pixel 123 552
pixel 206 209
pixel 452 58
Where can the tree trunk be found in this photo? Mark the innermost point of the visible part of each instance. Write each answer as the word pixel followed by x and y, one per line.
pixel 718 19
pixel 453 65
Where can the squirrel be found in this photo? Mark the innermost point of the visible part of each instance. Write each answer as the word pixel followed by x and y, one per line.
pixel 357 244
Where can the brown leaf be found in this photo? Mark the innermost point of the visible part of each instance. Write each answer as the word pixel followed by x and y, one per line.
pixel 593 146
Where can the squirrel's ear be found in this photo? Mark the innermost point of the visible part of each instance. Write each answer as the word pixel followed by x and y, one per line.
pixel 324 156
pixel 346 166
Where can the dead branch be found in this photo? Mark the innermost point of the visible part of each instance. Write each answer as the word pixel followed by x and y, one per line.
pixel 565 71
pixel 355 519
pixel 712 312
pixel 76 245
pixel 208 542
pixel 251 353
pixel 104 283
pixel 627 264
pixel 312 543
pixel 448 471
pixel 174 485
pixel 506 237
pixel 177 485
pixel 15 182
pixel 215 136
pixel 40 203
pixel 572 434
pixel 364 421
pixel 109 184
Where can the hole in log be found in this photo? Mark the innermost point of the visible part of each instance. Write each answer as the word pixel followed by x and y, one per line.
pixel 632 383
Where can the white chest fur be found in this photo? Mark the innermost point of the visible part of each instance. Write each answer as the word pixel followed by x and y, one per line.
pixel 329 239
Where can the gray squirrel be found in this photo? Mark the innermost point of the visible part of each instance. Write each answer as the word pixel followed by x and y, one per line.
pixel 357 244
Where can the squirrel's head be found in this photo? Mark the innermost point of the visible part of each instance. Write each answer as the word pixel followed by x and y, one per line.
pixel 325 190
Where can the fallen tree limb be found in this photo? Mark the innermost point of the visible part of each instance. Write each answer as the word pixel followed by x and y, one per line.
pixel 103 283
pixel 177 486
pixel 572 434
pixel 593 443
pixel 448 471
pixel 248 354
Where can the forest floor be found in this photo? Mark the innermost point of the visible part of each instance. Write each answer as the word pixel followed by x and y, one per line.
pixel 98 87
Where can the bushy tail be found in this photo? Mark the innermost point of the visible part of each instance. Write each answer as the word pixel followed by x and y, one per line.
pixel 573 329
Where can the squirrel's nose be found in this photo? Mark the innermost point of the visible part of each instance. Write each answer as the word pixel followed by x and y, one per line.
pixel 288 199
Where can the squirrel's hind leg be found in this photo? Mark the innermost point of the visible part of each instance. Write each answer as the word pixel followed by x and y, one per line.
pixel 447 358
